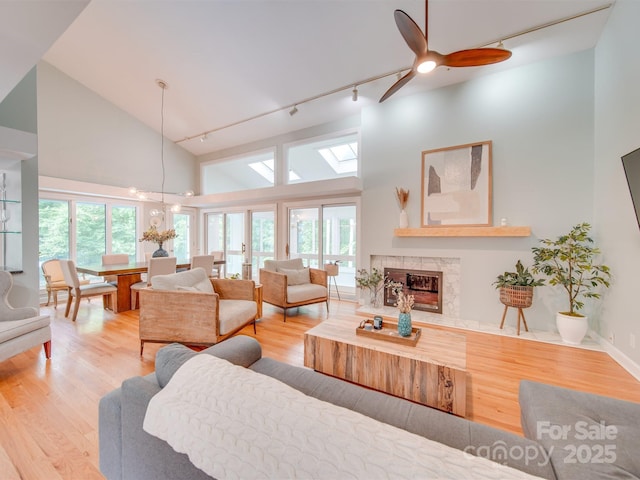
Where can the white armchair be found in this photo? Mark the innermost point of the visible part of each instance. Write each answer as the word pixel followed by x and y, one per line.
pixel 20 328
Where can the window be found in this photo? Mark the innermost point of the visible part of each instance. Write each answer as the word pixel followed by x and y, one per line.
pixel 90 233
pixel 123 231
pixel 323 159
pixel 247 172
pixel 86 230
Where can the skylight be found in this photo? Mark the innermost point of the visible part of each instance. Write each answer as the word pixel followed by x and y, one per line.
pixel 341 158
pixel 264 169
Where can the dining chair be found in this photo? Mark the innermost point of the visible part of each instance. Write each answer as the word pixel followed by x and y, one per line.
pixel 217 269
pixel 77 291
pixel 114 259
pixel 156 266
pixel 55 280
pixel 204 261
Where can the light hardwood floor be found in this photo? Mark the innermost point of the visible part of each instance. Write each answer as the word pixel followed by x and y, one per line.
pixel 49 410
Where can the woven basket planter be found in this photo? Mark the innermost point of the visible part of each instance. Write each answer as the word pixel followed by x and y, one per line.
pixel 519 297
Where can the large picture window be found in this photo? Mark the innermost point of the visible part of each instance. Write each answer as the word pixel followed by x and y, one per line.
pixel 85 230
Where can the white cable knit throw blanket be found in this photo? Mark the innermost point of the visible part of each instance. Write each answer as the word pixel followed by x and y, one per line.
pixel 236 423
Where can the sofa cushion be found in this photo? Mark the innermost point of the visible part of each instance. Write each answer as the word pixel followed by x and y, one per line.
pixel 296 277
pixel 235 313
pixel 239 350
pixel 196 278
pixel 303 293
pixel 274 265
pixel 587 436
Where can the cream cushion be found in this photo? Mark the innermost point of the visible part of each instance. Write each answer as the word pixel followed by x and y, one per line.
pixel 296 277
pixel 302 293
pixel 196 278
pixel 234 313
pixel 276 265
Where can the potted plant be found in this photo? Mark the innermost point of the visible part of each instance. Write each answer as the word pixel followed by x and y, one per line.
pixel 159 237
pixel 374 282
pixel 516 288
pixel 569 261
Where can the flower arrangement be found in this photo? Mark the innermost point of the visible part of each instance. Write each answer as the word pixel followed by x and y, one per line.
pixel 403 197
pixel 374 281
pixel 404 302
pixel 159 237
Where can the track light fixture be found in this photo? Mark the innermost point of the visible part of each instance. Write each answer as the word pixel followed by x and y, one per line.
pixel 354 93
pixel 396 73
pixel 204 137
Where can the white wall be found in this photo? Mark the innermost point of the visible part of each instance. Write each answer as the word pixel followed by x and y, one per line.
pixel 540 120
pixel 83 137
pixel 18 111
pixel 617 128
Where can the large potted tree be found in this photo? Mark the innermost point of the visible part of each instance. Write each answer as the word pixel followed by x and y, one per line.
pixel 570 262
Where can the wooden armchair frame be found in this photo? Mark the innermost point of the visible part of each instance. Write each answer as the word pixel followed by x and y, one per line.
pixel 190 318
pixel 275 286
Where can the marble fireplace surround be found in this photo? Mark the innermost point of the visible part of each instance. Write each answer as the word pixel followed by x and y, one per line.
pixel 450 268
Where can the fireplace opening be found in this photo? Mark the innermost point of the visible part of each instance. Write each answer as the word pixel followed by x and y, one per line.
pixel 424 285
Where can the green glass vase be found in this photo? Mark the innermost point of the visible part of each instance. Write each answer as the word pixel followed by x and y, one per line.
pixel 404 324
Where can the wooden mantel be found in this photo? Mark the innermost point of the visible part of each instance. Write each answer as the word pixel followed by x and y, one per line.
pixel 462 231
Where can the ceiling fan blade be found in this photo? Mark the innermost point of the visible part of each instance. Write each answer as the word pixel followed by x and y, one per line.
pixel 411 32
pixel 475 57
pixel 398 85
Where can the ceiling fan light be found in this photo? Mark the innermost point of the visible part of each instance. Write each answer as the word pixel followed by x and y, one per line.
pixel 426 66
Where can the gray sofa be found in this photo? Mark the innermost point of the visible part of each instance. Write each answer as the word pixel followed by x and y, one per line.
pixel 587 436
pixel 128 452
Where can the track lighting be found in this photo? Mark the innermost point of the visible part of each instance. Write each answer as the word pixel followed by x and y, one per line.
pixel 293 111
pixel 204 137
pixel 354 94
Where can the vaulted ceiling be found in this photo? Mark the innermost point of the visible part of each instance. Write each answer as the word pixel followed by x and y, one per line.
pixel 229 63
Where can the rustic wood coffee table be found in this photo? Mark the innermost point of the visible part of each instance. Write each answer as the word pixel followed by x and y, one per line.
pixel 431 373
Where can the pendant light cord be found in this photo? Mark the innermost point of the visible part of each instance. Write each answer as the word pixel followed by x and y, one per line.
pixel 163 86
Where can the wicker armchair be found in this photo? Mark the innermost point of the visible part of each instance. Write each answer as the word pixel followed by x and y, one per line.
pixel 287 284
pixel 185 314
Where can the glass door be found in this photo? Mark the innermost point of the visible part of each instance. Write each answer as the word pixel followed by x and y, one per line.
pixel 339 245
pixel 263 239
pixel 235 243
pixel 227 232
pixel 326 234
pixel 184 243
pixel 304 239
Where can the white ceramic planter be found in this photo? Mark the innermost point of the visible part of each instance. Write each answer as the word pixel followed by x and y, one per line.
pixel 572 329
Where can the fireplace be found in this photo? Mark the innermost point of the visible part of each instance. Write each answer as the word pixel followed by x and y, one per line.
pixel 424 285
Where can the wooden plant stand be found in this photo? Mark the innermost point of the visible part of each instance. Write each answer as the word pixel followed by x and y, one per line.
pixel 516 297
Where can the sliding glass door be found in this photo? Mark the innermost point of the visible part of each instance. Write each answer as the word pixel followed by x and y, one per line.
pixel 242 242
pixel 325 234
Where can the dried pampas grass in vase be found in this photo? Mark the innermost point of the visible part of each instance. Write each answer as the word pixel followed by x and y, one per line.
pixel 403 198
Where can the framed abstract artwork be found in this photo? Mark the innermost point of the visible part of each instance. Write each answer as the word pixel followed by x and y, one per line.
pixel 456 186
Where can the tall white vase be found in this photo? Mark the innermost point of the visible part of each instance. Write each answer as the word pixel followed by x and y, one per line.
pixel 404 219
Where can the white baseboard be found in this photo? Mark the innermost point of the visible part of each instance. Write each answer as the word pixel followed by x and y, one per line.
pixel 625 362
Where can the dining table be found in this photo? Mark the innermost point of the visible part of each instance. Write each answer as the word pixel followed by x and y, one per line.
pixel 127 274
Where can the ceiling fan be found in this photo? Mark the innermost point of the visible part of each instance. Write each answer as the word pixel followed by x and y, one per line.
pixel 427 60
